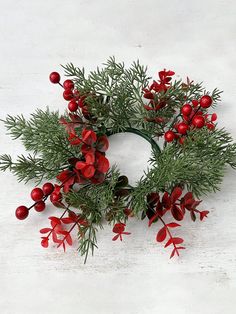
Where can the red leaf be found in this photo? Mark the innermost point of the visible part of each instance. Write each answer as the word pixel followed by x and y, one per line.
pixel 103 164
pixel 55 219
pixel 55 238
pixel 166 200
pixel 90 158
pixel 173 225
pixel 176 193
pixel 203 214
pixel 67 185
pixel 74 140
pixel 45 230
pixel 44 242
pixel 89 136
pixel 177 212
pixel 169 242
pixel 154 217
pixel 115 237
pixel 102 143
pixel 68 239
pixel 177 240
pixel 181 248
pixel 152 199
pixel 161 235
pixel 88 171
pixel 80 165
pixel 173 253
pixel 119 227
pixel 67 220
pixel 187 196
pixel 193 216
pixel 64 232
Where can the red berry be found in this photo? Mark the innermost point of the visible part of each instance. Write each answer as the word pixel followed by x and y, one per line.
pixel 22 212
pixel 67 94
pixel 68 84
pixel 37 194
pixel 198 121
pixel 54 77
pixel 206 101
pixel 55 197
pixel 40 206
pixel 186 109
pixel 73 106
pixel 169 136
pixel 48 188
pixel 195 102
pixel 210 126
pixel 182 128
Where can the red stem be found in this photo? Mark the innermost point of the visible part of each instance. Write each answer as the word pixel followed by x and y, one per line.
pixel 170 235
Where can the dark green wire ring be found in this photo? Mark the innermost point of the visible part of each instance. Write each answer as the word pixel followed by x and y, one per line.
pixel 154 144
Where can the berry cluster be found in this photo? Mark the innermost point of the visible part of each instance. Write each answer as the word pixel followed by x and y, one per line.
pixel 71 95
pixel 39 196
pixel 193 116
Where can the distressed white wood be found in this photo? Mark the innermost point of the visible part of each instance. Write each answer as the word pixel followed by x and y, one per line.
pixel 195 38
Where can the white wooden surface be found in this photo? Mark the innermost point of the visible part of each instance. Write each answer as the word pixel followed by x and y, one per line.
pixel 195 38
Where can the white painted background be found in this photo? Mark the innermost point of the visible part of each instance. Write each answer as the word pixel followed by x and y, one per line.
pixel 195 38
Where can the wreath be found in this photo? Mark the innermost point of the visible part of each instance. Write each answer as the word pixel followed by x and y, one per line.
pixel 71 148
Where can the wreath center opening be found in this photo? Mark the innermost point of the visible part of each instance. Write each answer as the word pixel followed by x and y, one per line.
pixel 131 153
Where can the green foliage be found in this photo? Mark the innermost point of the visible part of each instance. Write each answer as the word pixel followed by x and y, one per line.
pixel 119 103
pixel 198 166
pixel 28 168
pixel 45 139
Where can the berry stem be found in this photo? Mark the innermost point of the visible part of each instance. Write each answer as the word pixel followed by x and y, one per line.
pixel 43 199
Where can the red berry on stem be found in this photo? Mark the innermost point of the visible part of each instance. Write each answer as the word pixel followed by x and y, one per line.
pixel 37 194
pixel 195 102
pixel 186 109
pixel 22 212
pixel 198 121
pixel 206 101
pixel 169 136
pixel 67 94
pixel 54 77
pixel 73 106
pixel 39 206
pixel 48 188
pixel 68 84
pixel 55 197
pixel 182 128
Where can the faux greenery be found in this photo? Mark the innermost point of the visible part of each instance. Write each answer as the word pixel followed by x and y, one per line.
pixel 110 100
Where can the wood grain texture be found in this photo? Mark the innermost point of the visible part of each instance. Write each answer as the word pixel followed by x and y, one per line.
pixel 136 276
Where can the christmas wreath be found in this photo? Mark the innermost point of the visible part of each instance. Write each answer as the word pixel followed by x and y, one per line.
pixel 72 149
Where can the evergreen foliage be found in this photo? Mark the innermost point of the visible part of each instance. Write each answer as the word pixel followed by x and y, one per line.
pixel 114 96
